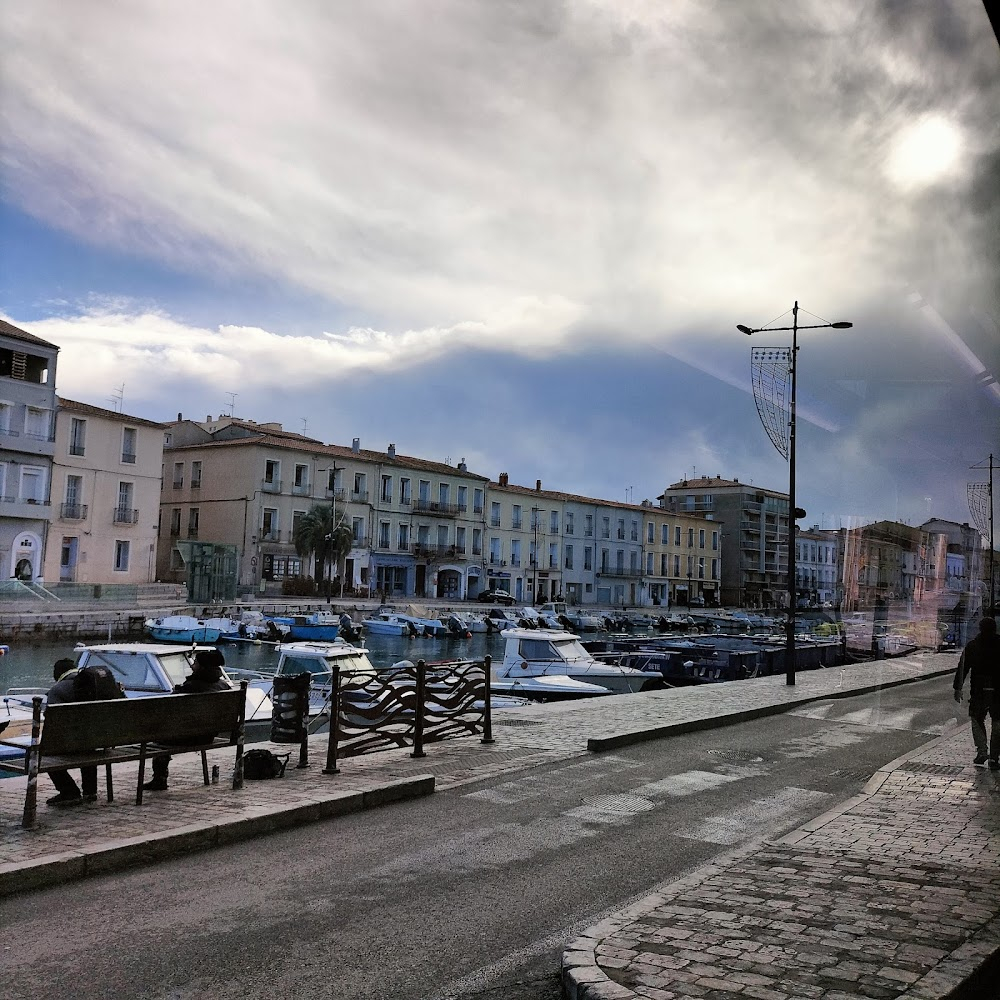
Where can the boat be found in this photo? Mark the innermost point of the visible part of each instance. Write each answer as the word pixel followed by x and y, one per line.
pixel 387 623
pixel 583 621
pixel 317 626
pixel 558 653
pixel 425 625
pixel 251 626
pixel 464 623
pixel 183 628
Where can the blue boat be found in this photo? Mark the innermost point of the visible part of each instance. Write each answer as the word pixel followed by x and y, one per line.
pixel 182 628
pixel 317 626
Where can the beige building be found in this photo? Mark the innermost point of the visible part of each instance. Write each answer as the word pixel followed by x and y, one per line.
pixel 105 492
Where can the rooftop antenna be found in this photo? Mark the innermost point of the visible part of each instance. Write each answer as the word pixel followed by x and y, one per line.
pixel 117 398
pixel 305 425
pixel 232 402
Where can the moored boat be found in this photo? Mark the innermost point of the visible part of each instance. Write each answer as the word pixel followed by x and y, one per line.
pixel 183 628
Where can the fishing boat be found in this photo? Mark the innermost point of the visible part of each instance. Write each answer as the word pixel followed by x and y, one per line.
pixel 184 629
pixel 314 626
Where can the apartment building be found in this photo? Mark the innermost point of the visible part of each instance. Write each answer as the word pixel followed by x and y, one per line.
pixel 105 510
pixel 816 572
pixel 753 528
pixel 27 444
pixel 416 525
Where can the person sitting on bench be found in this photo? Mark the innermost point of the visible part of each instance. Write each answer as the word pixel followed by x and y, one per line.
pixel 206 675
pixel 88 684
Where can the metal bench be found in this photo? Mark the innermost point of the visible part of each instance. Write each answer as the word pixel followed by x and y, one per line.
pixel 95 733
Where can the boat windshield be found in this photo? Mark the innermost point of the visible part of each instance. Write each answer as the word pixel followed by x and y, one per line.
pixel 137 671
pixel 557 649
pixel 319 665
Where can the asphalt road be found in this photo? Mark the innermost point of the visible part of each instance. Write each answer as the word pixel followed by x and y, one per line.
pixel 469 893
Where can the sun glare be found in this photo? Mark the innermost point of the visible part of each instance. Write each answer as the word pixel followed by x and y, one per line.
pixel 923 153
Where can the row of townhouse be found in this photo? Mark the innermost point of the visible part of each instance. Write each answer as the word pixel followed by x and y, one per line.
pixel 79 485
pixel 419 528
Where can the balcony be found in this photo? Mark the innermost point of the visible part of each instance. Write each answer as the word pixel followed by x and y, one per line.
pixel 335 494
pixel 359 496
pixel 128 457
pixel 178 484
pixel 270 486
pixel 515 523
pixel 273 535
pixel 73 511
pixel 621 572
pixel 125 515
pixel 441 509
pixel 495 560
pixel 430 550
pixel 301 489
pixel 196 484
pixel 405 501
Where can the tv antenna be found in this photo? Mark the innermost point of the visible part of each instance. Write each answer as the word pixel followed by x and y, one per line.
pixel 117 398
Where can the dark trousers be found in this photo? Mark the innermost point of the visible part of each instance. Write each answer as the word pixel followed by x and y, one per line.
pixel 161 766
pixel 65 784
pixel 981 704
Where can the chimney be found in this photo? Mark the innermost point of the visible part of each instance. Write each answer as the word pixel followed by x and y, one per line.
pixel 392 450
pixel 356 445
pixel 462 467
pixel 208 418
pixel 538 486
pixel 180 417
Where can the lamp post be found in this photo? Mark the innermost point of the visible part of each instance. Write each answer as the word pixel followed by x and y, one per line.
pixel 786 447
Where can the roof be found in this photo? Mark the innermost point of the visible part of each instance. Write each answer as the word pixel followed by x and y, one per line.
pixel 294 442
pixel 718 483
pixel 558 495
pixel 16 333
pixel 74 406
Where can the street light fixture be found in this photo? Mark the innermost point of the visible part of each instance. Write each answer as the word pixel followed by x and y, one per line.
pixel 787 449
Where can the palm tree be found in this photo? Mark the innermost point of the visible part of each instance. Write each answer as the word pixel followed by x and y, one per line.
pixel 340 543
pixel 312 537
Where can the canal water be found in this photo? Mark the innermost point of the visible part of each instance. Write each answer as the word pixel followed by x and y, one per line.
pixel 31 665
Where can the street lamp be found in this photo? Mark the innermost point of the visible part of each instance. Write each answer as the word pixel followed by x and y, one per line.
pixel 759 358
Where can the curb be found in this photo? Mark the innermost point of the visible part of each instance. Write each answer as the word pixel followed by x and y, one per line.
pixel 116 855
pixel 599 744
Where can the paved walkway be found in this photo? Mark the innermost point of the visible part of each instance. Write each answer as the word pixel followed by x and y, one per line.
pixel 896 893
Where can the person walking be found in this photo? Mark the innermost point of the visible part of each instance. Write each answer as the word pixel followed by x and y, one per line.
pixel 206 675
pixel 980 661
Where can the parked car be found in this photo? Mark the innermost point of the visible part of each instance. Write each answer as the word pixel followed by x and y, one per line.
pixel 496 597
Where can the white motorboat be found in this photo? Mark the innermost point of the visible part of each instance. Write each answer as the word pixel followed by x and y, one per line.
pixel 555 653
pixel 387 623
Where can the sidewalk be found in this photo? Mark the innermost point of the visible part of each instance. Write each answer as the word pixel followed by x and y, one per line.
pixel 888 869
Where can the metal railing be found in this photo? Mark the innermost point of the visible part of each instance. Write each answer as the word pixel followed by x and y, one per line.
pixel 73 511
pixel 125 515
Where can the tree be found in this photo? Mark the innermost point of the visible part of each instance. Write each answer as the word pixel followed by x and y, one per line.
pixel 340 546
pixel 312 537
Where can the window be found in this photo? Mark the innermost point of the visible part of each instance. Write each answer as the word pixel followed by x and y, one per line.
pixel 534 518
pixel 515 516
pixel 73 506
pixel 569 556
pixel 32 485
pixel 424 491
pixel 463 498
pixel 269 525
pixel 715 569
pixel 128 445
pixel 621 529
pixel 604 560
pixel 677 534
pixel 605 527
pixel 588 526
pixel 460 539
pixel 124 513
pixel 477 501
pixel 442 537
pixel 36 423
pixel 515 552
pixel 178 475
pixel 634 531
pixel 121 556
pixel 677 565
pixel 649 563
pixel 477 541
pixel 664 564
pixel 175 522
pixel 554 522
pixel 301 480
pixel 383 534
pixel 553 555
pixel 272 473
pixel 444 494
pixel 495 550
pixel 385 492
pixel 495 515
pixel 701 567
pixel 196 475
pixel 664 534
pixel 532 554
pixel 650 532
pixel 701 538
pixel 77 436
pixel 404 491
pixel 334 481
pixel 588 557
pixel 297 516
pixel 569 523
pixel 690 538
pixel 194 517
pixel 403 542
pixel 360 491
pixel 6 409
pixel 358 530
pixel 715 541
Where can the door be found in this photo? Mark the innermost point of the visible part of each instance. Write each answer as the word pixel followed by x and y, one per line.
pixel 68 559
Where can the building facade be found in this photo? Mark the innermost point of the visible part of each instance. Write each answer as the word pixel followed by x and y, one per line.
pixel 106 472
pixel 27 445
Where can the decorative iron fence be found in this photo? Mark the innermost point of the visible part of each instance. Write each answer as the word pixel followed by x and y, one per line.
pixel 409 705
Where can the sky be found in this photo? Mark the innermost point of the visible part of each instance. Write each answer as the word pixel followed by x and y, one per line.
pixel 522 234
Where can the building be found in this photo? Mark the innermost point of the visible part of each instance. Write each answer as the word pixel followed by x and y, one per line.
pixel 105 489
pixel 27 445
pixel 753 527
pixel 816 579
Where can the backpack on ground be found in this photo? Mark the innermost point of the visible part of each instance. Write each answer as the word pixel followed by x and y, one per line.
pixel 260 764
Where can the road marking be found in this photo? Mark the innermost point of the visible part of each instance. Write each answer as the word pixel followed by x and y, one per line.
pixel 768 812
pixel 692 782
pixel 531 786
pixel 833 738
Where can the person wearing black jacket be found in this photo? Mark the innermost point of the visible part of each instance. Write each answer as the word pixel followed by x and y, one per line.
pixel 89 684
pixel 980 660
pixel 206 675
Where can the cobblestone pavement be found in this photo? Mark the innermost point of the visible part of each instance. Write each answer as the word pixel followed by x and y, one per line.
pixel 895 891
